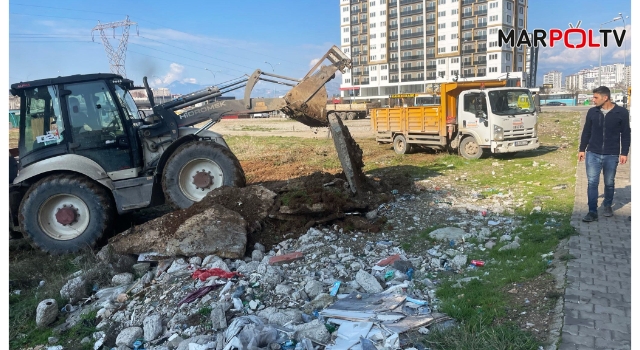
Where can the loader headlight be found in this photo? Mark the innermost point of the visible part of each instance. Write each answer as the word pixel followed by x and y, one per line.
pixel 498 133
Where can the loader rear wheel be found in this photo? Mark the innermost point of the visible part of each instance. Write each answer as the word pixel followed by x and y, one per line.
pixel 65 213
pixel 469 148
pixel 400 144
pixel 195 169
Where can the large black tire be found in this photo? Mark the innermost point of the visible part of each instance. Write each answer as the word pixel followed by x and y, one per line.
pixel 13 169
pixel 351 115
pixel 469 148
pixel 400 144
pixel 186 158
pixel 46 197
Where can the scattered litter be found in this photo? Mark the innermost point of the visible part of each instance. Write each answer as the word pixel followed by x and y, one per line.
pixel 203 274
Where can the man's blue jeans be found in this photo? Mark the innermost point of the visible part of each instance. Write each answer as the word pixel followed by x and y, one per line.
pixel 596 164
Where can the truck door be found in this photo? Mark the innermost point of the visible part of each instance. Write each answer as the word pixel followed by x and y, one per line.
pixel 473 115
pixel 96 124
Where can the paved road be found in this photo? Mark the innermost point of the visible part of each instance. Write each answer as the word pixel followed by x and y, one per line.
pixel 597 303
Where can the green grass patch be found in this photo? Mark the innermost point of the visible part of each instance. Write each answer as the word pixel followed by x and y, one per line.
pixel 254 128
pixel 469 337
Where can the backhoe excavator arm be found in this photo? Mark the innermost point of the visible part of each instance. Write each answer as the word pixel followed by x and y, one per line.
pixel 305 102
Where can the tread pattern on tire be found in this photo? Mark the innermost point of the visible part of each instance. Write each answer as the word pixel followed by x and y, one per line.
pixel 240 179
pixel 103 198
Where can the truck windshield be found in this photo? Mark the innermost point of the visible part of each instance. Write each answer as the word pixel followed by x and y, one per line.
pixel 510 102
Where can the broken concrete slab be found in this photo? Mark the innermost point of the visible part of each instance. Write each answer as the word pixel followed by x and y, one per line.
pixel 448 234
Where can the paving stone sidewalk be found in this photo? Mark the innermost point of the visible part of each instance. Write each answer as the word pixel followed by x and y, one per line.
pixel 597 301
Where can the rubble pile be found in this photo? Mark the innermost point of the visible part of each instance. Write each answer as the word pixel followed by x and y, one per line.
pixel 329 287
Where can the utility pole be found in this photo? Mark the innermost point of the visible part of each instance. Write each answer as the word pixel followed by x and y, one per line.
pixel 116 56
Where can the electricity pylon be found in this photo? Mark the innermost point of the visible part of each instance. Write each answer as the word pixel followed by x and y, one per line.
pixel 116 57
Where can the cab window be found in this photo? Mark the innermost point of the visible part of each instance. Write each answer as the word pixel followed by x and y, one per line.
pixel 93 114
pixel 43 125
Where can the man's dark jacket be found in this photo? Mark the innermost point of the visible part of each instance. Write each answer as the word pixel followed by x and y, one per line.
pixel 606 135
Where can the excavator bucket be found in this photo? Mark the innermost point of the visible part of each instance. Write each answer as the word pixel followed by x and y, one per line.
pixel 307 101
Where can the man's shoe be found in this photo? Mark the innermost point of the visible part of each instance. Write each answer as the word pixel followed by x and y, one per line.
pixel 590 217
pixel 607 212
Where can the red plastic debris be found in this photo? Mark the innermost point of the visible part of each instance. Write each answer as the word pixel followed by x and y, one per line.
pixel 286 258
pixel 198 293
pixel 203 274
pixel 478 263
pixel 388 261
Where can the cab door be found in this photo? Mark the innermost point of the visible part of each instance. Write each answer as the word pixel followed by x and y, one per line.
pixel 96 123
pixel 473 115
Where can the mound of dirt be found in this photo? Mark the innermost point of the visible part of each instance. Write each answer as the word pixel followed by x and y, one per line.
pixel 278 210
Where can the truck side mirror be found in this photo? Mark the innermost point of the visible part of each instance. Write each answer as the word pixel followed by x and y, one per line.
pixel 481 115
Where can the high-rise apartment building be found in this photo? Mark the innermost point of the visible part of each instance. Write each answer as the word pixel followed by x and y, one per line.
pixel 554 78
pixel 402 46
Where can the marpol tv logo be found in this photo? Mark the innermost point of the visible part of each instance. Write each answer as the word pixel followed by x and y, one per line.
pixel 539 37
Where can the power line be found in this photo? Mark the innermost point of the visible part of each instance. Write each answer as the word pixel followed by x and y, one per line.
pixel 189 58
pixel 142 19
pixel 197 53
pixel 26 14
pixel 172 61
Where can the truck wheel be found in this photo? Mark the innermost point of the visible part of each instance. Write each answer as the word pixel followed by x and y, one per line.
pixel 400 144
pixel 65 213
pixel 195 169
pixel 351 116
pixel 469 148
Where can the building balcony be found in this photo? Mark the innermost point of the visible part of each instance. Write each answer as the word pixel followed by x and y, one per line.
pixel 481 74
pixel 431 44
pixel 430 55
pixel 430 8
pixel 364 82
pixel 413 69
pixel 355 32
pixel 406 2
pixel 414 79
pixel 430 21
pixel 411 24
pixel 480 37
pixel 393 59
pixel 411 47
pixel 354 22
pixel 413 58
pixel 430 32
pixel 363 20
pixel 353 12
pixel 432 66
pixel 468 2
pixel 393 15
pixel 480 62
pixel 393 37
pixel 393 70
pixel 482 25
pixel 466 51
pixel 393 80
pixel 355 42
pixel 412 35
pixel 482 49
pixel 364 31
pixel 480 12
pixel 412 12
pixel 466 14
pixel 363 42
pixel 430 77
pixel 355 74
pixel 468 75
pixel 468 26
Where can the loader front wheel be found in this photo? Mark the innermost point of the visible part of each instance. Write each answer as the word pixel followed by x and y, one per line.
pixel 65 213
pixel 195 169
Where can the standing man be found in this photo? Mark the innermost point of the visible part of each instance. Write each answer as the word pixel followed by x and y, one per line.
pixel 536 101
pixel 606 138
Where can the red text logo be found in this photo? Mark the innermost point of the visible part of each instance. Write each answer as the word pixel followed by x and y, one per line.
pixel 572 38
